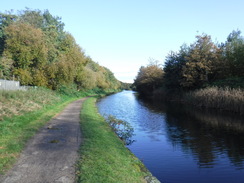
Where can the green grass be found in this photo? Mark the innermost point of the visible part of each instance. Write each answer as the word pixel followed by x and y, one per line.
pixel 104 158
pixel 22 113
pixel 14 103
pixel 17 129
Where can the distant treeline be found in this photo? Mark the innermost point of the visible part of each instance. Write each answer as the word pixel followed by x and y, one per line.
pixel 35 49
pixel 203 64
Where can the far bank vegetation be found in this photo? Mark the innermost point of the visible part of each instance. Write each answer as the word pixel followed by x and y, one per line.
pixel 205 74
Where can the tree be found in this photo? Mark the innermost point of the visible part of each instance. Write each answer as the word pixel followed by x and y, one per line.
pixel 52 27
pixel 35 48
pixel 6 67
pixel 234 54
pixel 42 20
pixel 31 17
pixel 5 20
pixel 25 45
pixel 199 66
pixel 39 77
pixel 96 76
pixel 24 75
pixel 174 63
pixel 149 78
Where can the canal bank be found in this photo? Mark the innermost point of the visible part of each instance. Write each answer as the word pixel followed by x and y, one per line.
pixel 178 144
pixel 104 158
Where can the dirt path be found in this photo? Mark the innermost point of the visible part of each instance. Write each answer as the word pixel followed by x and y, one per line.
pixel 51 155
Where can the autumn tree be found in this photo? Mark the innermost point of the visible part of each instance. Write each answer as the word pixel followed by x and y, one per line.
pixel 149 78
pixel 199 63
pixel 203 63
pixel 113 83
pixel 5 63
pixel 25 45
pixel 36 49
pixel 25 48
pixel 95 76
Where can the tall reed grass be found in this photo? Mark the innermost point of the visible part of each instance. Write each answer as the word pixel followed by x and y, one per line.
pixel 220 98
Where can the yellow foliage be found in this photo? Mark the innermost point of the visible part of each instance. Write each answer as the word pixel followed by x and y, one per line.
pixel 25 45
pixel 39 78
pixel 40 53
pixel 24 75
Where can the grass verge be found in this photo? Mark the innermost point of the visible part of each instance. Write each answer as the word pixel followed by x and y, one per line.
pixel 22 113
pixel 16 130
pixel 104 158
pixel 16 103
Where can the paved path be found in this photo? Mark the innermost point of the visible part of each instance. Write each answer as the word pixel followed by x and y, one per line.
pixel 51 155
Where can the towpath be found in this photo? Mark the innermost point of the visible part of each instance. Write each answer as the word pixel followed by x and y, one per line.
pixel 50 156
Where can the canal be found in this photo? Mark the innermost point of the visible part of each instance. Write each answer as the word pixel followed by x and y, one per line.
pixel 180 144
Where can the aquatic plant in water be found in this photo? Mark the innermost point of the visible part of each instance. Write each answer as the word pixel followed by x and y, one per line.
pixel 122 129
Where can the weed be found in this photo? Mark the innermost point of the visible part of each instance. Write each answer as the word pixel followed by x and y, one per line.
pixel 122 128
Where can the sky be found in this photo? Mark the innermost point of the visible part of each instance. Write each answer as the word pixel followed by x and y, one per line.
pixel 124 35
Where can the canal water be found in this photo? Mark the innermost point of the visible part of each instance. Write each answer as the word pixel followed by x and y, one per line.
pixel 179 144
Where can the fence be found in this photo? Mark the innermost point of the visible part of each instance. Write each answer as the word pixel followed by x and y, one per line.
pixel 11 85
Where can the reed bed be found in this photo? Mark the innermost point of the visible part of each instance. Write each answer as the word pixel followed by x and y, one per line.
pixel 220 98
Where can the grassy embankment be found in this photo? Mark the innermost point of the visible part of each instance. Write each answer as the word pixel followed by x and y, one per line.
pixel 104 157
pixel 22 113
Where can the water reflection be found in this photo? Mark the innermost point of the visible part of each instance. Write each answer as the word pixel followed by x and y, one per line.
pixel 207 134
pixel 175 141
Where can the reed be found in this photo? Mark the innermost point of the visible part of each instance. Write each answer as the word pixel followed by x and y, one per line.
pixel 220 98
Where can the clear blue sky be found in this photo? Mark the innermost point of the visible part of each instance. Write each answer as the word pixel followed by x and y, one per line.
pixel 123 34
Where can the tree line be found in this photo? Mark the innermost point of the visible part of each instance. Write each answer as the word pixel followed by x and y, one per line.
pixel 35 49
pixel 199 65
